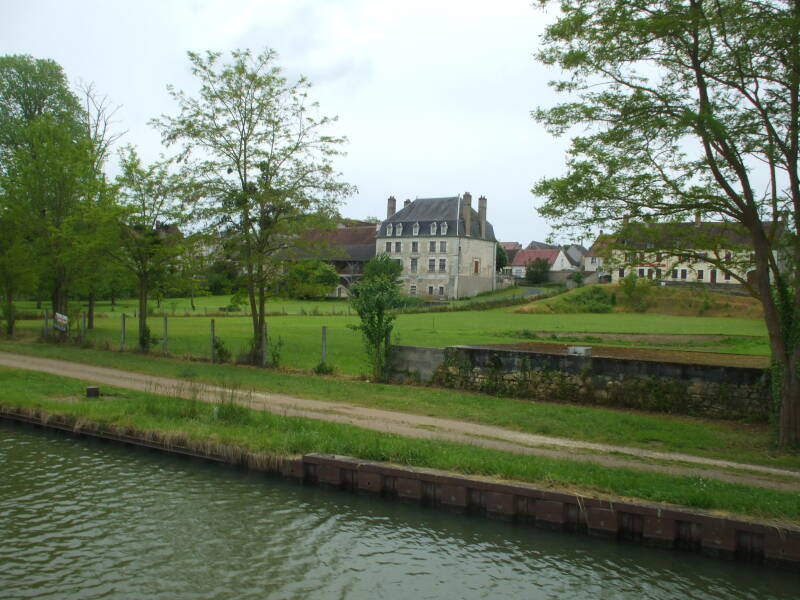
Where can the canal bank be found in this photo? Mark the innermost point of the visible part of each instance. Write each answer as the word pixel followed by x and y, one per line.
pixel 650 524
pixel 94 520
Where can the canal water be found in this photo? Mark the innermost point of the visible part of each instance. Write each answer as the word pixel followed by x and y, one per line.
pixel 86 519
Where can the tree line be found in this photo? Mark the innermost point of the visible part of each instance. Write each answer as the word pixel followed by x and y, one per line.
pixel 250 170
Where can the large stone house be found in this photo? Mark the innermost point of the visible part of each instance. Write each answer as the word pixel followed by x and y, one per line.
pixel 447 249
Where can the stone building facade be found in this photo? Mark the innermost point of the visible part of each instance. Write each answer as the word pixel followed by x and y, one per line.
pixel 446 248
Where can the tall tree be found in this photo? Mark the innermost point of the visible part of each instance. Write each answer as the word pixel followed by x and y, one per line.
pixel 264 156
pixel 149 237
pixel 43 175
pixel 692 107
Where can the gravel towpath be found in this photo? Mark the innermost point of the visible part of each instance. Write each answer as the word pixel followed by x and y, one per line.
pixel 420 426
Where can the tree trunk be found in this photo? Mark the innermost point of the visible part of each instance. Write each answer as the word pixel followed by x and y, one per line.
pixel 788 389
pixel 191 297
pixel 10 313
pixel 90 316
pixel 144 339
pixel 113 299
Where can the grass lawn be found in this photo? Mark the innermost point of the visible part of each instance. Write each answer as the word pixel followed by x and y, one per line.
pixel 301 334
pixel 264 432
pixel 660 432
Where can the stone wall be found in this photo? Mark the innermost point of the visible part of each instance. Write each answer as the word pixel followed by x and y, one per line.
pixel 689 389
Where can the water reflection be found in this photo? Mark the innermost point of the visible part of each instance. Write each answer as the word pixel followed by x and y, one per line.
pixel 85 519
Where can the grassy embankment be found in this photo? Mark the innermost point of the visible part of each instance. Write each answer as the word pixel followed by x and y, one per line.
pixel 745 443
pixel 199 423
pixel 301 335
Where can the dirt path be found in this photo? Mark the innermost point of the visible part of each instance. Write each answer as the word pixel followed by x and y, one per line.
pixel 419 426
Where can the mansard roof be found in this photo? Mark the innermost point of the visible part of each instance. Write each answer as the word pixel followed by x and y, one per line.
pixel 436 210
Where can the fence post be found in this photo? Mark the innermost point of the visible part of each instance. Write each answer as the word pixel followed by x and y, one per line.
pixel 264 344
pixel 324 344
pixel 83 328
pixel 166 337
pixel 213 350
pixel 122 342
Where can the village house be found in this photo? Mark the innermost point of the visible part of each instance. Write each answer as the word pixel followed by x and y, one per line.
pixel 348 247
pixel 446 248
pixel 711 253
pixel 554 256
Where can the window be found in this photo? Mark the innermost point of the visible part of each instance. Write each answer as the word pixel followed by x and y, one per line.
pixel 674 273
pixel 388 247
pixel 476 267
pixel 442 246
pixel 702 258
pixel 431 246
pixel 389 229
pixel 431 265
pixel 683 274
pixel 398 247
pixel 413 290
pixel 441 290
pixel 593 260
pixel 700 275
pixel 621 273
pixel 727 276
pixel 658 273
pixel 641 272
pixel 415 247
pixel 658 256
pixel 727 257
pixel 433 228
pixel 430 290
pixel 413 265
pixel 649 273
pixel 444 228
pixel 399 229
pixel 415 229
pixel 442 265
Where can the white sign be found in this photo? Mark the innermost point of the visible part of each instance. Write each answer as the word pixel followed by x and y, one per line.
pixel 61 322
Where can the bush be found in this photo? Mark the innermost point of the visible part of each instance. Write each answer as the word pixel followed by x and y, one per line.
pixel 221 352
pixel 592 299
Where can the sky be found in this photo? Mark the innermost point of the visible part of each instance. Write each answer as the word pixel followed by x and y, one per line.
pixel 435 97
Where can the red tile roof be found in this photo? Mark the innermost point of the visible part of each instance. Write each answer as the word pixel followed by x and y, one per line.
pixel 524 257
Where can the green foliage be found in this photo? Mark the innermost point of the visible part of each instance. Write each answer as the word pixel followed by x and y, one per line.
pixel 577 277
pixel 276 352
pixel 537 271
pixel 222 353
pixel 374 297
pixel 592 299
pixel 309 279
pixel 684 111
pixel 382 265
pixel 635 292
pixel 501 258
pixel 263 157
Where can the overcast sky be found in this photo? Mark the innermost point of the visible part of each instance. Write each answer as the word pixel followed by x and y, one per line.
pixel 434 96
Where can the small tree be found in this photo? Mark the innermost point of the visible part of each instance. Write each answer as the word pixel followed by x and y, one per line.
pixel 537 271
pixel 635 291
pixel 310 279
pixel 374 297
pixel 501 258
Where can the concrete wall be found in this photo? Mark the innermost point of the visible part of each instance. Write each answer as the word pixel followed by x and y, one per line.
pixel 691 389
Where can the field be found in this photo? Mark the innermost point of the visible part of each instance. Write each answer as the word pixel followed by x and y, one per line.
pixel 297 327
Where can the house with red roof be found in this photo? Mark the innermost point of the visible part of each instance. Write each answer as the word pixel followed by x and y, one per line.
pixel 555 257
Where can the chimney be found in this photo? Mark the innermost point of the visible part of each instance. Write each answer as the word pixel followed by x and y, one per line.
pixel 406 203
pixel 391 206
pixel 698 220
pixel 466 212
pixel 482 215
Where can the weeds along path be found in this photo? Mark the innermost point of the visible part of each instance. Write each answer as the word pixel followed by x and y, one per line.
pixel 420 426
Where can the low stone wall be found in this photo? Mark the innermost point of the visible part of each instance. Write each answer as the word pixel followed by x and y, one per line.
pixel 690 389
pixel 650 524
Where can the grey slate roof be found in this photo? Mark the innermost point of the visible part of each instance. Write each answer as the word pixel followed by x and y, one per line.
pixel 428 210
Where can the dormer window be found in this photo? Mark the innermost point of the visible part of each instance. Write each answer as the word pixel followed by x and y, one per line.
pixel 389 229
pixel 415 229
pixel 399 229
pixel 444 228
pixel 433 228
